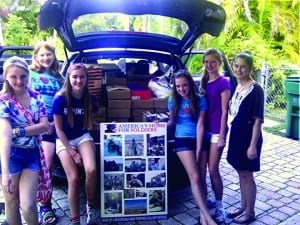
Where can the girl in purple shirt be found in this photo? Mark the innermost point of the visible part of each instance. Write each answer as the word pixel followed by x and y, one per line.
pixel 217 91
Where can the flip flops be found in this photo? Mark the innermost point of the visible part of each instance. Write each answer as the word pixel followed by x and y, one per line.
pixel 244 218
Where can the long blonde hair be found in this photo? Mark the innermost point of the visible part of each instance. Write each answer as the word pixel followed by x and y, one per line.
pixel 216 53
pixel 10 62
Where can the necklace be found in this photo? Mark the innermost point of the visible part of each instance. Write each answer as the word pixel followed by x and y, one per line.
pixel 239 96
pixel 243 88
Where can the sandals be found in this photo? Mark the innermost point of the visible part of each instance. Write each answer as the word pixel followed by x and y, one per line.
pixel 244 218
pixel 235 213
pixel 47 216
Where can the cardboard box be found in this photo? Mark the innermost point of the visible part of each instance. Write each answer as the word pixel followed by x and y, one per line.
pixel 118 92
pixel 141 94
pixel 160 103
pixel 119 104
pixel 118 113
pixel 142 104
pixel 122 81
pixel 95 80
pixel 94 71
pixel 140 112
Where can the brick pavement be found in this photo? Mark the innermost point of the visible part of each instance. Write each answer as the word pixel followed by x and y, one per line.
pixel 278 190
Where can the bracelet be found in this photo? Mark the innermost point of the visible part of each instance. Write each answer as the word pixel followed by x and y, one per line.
pixel 15 132
pixel 21 132
pixel 18 132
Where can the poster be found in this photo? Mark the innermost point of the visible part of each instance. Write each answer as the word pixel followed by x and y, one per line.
pixel 133 171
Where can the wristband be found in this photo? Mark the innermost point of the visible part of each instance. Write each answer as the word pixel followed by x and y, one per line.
pixel 21 132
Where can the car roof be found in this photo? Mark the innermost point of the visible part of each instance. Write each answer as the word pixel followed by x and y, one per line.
pixel 199 16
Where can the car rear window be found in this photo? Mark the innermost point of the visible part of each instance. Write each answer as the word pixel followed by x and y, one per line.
pixel 117 22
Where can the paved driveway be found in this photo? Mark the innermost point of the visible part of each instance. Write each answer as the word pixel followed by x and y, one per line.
pixel 278 190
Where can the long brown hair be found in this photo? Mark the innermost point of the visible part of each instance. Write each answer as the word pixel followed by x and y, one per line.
pixel 218 55
pixel 192 95
pixel 66 91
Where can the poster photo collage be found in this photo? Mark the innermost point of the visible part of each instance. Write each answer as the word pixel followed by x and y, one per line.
pixel 133 171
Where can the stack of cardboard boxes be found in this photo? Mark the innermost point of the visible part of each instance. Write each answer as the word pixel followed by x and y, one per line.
pixel 160 105
pixel 139 107
pixel 156 107
pixel 95 86
pixel 119 103
pixel 126 97
pixel 95 79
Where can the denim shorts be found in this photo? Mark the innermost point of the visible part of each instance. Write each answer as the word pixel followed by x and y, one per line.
pixel 23 158
pixel 74 143
pixel 49 138
pixel 185 144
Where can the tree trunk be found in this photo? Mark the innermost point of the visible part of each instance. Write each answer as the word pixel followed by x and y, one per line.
pixel 247 11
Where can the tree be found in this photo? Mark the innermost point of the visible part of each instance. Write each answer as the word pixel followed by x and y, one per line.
pixel 19 23
pixel 12 35
pixel 267 28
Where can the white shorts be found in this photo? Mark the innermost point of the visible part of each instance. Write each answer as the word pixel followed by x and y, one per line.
pixel 74 143
pixel 214 138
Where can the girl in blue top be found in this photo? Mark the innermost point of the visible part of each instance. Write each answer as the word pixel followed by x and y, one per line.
pixel 20 156
pixel 72 110
pixel 46 79
pixel 187 110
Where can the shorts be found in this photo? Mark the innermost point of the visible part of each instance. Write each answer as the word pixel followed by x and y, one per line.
pixel 185 144
pixel 49 138
pixel 74 142
pixel 23 158
pixel 209 138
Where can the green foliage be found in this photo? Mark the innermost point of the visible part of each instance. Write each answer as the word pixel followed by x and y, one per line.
pixel 194 64
pixel 16 31
pixel 267 28
pixel 272 34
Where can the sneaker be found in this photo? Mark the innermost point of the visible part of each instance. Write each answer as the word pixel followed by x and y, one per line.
pixel 220 215
pixel 211 204
pixel 91 215
pixel 47 216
